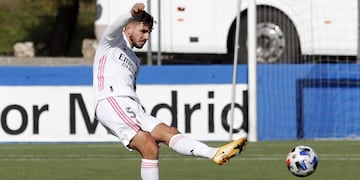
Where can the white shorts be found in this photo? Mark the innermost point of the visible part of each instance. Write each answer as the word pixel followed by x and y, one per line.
pixel 123 117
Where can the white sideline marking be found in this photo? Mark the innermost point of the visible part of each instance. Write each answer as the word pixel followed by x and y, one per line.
pixel 127 157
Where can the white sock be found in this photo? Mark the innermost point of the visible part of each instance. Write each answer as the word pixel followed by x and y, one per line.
pixel 149 169
pixel 187 146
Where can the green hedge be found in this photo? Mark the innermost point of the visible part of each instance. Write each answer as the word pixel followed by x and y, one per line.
pixel 29 20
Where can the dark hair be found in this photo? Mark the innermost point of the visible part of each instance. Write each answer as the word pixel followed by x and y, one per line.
pixel 143 17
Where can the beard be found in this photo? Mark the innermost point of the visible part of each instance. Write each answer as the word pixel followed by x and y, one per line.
pixel 139 45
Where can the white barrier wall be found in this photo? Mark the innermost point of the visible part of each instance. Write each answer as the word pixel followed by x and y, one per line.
pixel 65 113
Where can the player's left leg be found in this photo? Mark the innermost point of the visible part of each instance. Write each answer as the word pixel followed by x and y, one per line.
pixel 147 146
pixel 120 117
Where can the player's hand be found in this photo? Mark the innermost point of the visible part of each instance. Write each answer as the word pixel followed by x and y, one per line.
pixel 137 8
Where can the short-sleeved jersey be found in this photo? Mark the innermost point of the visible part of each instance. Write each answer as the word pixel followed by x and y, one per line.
pixel 115 65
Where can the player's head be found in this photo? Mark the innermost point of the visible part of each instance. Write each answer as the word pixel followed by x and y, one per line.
pixel 138 29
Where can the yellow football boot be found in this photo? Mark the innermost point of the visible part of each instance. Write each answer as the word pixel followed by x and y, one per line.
pixel 227 151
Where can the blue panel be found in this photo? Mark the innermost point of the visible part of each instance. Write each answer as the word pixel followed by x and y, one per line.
pixel 330 108
pixel 290 104
pixel 82 75
pixel 276 100
pixel 74 75
pixel 191 74
pixel 326 104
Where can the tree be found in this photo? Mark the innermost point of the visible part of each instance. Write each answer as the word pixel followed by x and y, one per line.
pixel 63 28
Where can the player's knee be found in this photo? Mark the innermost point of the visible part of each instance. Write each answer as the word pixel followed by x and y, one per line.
pixel 151 144
pixel 163 133
pixel 173 130
pixel 154 149
pixel 150 151
pixel 146 145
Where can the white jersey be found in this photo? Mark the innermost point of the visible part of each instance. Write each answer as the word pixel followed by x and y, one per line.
pixel 115 65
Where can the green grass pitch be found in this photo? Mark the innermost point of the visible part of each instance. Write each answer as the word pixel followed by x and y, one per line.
pixel 338 160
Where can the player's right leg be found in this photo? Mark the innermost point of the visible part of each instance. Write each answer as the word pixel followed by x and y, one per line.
pixel 187 146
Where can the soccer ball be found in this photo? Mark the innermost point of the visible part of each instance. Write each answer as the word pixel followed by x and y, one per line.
pixel 302 161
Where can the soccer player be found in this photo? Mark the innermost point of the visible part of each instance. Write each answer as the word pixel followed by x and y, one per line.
pixel 118 108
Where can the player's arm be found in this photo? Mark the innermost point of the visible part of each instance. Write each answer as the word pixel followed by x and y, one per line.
pixel 115 29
